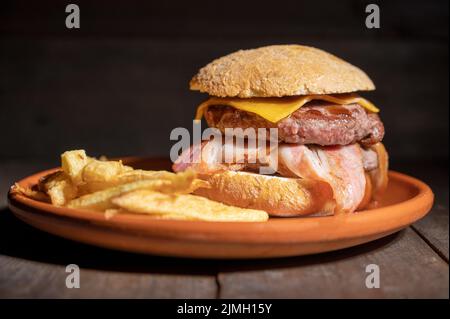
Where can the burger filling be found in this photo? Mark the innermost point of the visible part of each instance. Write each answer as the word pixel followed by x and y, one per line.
pixel 318 122
pixel 343 167
pixel 335 139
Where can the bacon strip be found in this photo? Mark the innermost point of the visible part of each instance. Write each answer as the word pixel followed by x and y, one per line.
pixel 340 166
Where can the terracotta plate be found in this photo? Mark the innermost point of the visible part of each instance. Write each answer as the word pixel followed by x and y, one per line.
pixel 406 201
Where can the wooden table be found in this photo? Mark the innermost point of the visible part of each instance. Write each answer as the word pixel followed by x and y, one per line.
pixel 413 263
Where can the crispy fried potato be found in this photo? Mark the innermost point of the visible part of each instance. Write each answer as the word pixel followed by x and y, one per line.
pixel 91 185
pixel 103 171
pixel 60 188
pixel 72 163
pixel 31 193
pixel 45 181
pixel 111 212
pixel 101 174
pixel 114 188
pixel 139 174
pixel 184 206
pixel 101 200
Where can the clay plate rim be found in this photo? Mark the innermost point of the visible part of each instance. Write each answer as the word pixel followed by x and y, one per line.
pixel 277 230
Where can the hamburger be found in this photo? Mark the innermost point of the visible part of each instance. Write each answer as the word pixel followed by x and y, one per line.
pixel 319 138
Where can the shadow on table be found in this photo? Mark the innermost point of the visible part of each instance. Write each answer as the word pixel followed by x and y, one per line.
pixel 20 240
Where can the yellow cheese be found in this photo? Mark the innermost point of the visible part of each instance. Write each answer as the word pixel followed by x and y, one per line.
pixel 276 109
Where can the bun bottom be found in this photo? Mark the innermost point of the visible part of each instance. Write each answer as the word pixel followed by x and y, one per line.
pixel 278 196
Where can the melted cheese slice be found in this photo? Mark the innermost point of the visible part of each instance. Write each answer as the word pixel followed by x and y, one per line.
pixel 276 109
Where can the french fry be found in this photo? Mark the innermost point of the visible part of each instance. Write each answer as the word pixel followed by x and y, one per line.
pixel 91 175
pixel 72 163
pixel 185 206
pixel 95 180
pixel 103 171
pixel 139 174
pixel 31 193
pixel 59 187
pixel 45 181
pixel 101 200
pixel 136 175
pixel 114 188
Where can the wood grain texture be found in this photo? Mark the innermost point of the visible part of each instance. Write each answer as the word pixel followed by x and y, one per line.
pixel 434 227
pixel 434 230
pixel 28 279
pixel 408 269
pixel 32 265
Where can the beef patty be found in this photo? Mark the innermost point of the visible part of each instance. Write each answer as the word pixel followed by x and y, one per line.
pixel 317 122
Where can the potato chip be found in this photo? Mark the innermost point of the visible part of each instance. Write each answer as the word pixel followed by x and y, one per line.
pixel 185 206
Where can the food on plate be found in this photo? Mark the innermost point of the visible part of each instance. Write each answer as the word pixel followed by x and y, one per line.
pixel 184 206
pixel 33 193
pixel 281 194
pixel 102 199
pixel 59 187
pixel 114 188
pixel 327 155
pixel 73 163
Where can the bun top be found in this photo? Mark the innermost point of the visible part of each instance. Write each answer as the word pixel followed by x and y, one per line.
pixel 279 70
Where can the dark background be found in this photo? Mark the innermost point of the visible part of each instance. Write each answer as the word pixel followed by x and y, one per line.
pixel 119 85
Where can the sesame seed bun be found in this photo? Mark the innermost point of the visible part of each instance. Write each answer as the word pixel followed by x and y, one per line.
pixel 279 70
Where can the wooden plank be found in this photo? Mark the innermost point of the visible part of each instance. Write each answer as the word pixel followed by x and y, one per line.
pixel 408 269
pixel 22 278
pixel 434 230
pixel 434 227
pixel 32 265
